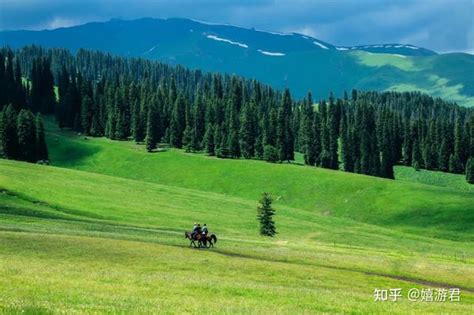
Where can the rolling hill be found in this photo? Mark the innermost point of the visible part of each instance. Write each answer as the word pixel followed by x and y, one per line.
pixel 293 60
pixel 395 204
pixel 101 231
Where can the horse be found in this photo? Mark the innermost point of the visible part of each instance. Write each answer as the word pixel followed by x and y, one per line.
pixel 189 236
pixel 211 239
pixel 202 242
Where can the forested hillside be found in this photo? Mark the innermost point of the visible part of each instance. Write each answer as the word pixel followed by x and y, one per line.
pixel 232 117
pixel 299 62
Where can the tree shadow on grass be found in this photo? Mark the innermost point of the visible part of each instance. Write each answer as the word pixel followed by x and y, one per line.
pixel 70 150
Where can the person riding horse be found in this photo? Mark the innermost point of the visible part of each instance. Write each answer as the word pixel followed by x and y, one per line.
pixel 196 231
pixel 201 236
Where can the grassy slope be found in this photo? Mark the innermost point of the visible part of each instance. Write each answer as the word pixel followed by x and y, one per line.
pixel 407 206
pixel 74 240
pixel 441 179
pixel 77 240
pixel 444 76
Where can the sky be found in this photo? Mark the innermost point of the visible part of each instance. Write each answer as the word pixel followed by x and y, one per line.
pixel 440 25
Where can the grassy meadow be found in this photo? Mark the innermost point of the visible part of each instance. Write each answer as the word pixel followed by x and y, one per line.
pixel 101 231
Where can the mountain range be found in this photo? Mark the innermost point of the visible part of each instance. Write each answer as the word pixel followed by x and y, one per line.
pixel 300 62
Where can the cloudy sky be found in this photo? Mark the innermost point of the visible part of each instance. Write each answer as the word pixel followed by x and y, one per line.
pixel 441 25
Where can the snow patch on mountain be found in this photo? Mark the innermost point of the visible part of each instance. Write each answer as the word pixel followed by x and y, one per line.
pixel 320 45
pixel 149 50
pixel 214 37
pixel 342 48
pixel 269 53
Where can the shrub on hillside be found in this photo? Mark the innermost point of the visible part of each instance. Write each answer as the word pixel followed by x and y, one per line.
pixel 270 154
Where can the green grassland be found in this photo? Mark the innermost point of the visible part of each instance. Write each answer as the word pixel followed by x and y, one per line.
pixel 395 204
pixel 432 75
pixel 101 231
pixel 448 180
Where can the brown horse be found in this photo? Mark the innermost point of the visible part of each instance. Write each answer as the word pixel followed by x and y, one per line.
pixel 202 241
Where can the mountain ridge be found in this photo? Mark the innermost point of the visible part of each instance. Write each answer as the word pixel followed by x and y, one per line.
pixel 293 60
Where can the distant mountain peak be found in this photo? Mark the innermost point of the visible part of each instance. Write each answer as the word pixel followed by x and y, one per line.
pixel 299 61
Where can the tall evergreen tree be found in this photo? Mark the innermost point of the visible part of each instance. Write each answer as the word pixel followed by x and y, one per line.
pixel 346 145
pixel 265 214
pixel 151 141
pixel 199 119
pixel 455 164
pixel 417 159
pixel 470 170
pixel 307 132
pixel 333 127
pixel 41 147
pixel 26 136
pixel 86 114
pixel 285 140
pixel 387 157
pixel 248 130
pixel 209 140
pixel 8 132
pixel 178 122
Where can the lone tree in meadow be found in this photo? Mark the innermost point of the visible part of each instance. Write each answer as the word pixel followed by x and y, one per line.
pixel 470 170
pixel 265 215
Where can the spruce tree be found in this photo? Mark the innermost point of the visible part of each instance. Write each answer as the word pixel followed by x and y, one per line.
pixel 199 119
pixel 265 214
pixel 333 126
pixel 461 146
pixel 248 126
pixel 209 141
pixel 259 142
pixel 270 124
pixel 151 141
pixel 387 159
pixel 444 155
pixel 407 145
pixel 86 114
pixel 470 170
pixel 188 139
pixel 41 147
pixel 8 133
pixel 232 144
pixel 429 148
pixel 285 140
pixel 178 122
pixel 455 164
pixel 62 108
pixel 417 156
pixel 307 134
pixel 316 143
pixel 26 136
pixel 346 145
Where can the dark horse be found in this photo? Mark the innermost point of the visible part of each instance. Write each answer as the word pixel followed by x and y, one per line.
pixel 202 240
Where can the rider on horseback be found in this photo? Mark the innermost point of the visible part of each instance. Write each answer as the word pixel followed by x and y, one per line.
pixel 200 236
pixel 196 230
pixel 193 232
